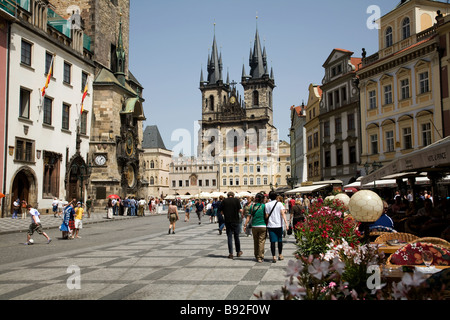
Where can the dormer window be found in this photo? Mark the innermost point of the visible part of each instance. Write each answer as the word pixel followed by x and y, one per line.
pixel 406 29
pixel 388 37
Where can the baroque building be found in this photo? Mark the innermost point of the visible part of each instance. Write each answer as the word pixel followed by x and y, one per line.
pixel 400 85
pixel 237 132
pixel 339 117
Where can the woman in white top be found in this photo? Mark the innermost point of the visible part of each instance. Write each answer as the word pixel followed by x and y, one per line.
pixel 275 225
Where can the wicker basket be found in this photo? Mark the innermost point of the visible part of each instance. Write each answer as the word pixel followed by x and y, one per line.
pixel 405 237
pixel 437 241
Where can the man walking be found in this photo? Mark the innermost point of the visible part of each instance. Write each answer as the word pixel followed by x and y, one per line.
pixel 35 225
pixel 232 212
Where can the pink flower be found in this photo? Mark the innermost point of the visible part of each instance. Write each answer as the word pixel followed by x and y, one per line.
pixel 332 284
pixel 319 269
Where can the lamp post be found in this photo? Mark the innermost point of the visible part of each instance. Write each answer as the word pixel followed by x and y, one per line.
pixel 82 173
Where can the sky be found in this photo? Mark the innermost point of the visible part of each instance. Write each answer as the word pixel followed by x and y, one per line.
pixel 170 41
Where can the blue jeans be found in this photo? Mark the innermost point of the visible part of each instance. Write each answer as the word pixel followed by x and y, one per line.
pixel 233 231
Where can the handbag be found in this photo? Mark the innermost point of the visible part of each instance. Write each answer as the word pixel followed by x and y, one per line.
pixel 289 230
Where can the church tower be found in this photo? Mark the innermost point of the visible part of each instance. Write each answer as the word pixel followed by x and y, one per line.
pixel 259 84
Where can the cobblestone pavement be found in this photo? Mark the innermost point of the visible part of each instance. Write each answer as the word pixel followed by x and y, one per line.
pixel 188 265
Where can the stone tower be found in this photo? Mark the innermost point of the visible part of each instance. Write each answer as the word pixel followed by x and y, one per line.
pixel 115 147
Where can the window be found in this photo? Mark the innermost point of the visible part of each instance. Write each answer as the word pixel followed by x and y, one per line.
pixel 180 183
pixel 255 98
pixel 316 139
pixel 388 37
pixel 351 121
pixel 327 159
pixel 83 127
pixel 339 157
pixel 258 169
pixel 338 125
pixel 84 77
pixel 224 169
pixel 337 97
pixel 231 181
pixel 26 53
pixel 310 142
pixel 406 31
pixel 258 181
pixel 423 82
pixel 389 141
pixel 404 85
pixel 426 134
pixel 344 94
pixel 330 99
pixel 352 154
pixel 174 184
pixel 407 138
pixel 152 181
pixel 326 128
pixel 24 150
pixel 372 99
pixel 48 63
pixel 252 181
pixel 65 116
pixel 24 104
pixel 224 182
pixel 67 73
pixel 374 143
pixel 48 110
pixel 245 181
pixel 236 181
pixel 388 94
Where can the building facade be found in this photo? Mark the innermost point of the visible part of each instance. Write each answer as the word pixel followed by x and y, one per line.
pixel 313 134
pixel 443 30
pixel 400 85
pixel 191 176
pixel 298 146
pixel 339 117
pixel 47 130
pixel 237 132
pixel 157 159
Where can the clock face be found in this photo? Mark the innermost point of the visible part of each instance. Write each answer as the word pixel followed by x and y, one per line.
pixel 129 144
pixel 232 100
pixel 100 160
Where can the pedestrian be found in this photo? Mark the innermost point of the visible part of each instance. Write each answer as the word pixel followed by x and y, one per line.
pixel 16 208
pixel 79 213
pixel 89 206
pixel 246 210
pixel 55 206
pixel 209 211
pixel 187 210
pixel 275 213
pixel 23 207
pixel 35 225
pixel 172 214
pixel 199 208
pixel 256 215
pixel 133 206
pixel 64 228
pixel 60 208
pixel 109 214
pixel 232 212
pixel 126 205
pixel 141 207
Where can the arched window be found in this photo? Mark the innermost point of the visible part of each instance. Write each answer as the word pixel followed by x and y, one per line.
pixel 211 103
pixel 388 37
pixel 152 164
pixel 255 98
pixel 406 29
pixel 152 181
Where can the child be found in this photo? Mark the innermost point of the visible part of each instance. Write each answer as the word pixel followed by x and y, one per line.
pixel 79 213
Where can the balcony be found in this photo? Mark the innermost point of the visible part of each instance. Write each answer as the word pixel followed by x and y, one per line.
pixel 399 46
pixel 10 6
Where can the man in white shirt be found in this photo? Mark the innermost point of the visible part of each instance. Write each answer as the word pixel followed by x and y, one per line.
pixel 275 224
pixel 35 225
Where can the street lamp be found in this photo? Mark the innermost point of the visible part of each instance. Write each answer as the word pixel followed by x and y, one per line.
pixel 82 173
